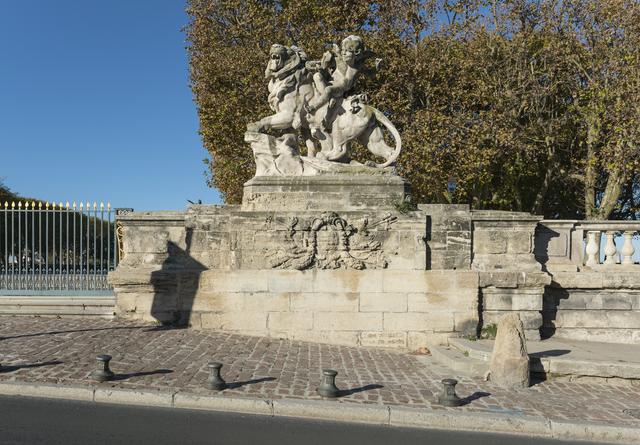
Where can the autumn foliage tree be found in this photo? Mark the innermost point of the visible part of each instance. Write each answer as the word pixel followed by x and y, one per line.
pixel 527 105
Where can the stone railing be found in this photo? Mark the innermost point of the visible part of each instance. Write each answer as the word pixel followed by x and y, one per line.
pixel 574 245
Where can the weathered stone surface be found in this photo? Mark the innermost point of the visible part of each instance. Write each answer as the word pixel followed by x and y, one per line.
pixel 328 192
pixel 509 365
pixel 311 96
pixel 383 302
pixel 433 322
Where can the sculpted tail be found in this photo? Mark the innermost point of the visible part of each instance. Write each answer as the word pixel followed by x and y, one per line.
pixel 396 136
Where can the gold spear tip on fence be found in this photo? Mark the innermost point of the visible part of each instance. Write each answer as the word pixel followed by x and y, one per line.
pixel 33 204
pixel 6 204
pixel 47 205
pixel 39 204
pixel 60 204
pixel 26 205
pixel 108 205
pixel 95 205
pixel 81 204
pixel 13 204
pixel 19 204
pixel 74 204
pixel 67 204
pixel 101 205
pixel 88 205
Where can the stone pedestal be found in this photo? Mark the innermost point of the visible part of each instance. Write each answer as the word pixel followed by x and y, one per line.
pixel 324 192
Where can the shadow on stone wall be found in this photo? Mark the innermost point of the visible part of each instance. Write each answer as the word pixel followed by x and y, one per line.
pixel 550 303
pixel 543 238
pixel 427 243
pixel 175 285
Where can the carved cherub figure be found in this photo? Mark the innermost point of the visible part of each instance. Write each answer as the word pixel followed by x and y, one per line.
pixel 337 71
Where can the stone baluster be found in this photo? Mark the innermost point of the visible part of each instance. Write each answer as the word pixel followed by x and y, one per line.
pixel 610 249
pixel 627 248
pixel 593 248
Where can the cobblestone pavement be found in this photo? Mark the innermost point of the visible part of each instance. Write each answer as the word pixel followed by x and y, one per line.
pixel 51 350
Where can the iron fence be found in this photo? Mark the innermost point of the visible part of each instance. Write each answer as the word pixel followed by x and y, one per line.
pixel 52 248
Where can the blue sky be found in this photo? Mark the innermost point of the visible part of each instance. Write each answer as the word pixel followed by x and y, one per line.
pixel 95 103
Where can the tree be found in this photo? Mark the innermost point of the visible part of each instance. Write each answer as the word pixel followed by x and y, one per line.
pixel 530 105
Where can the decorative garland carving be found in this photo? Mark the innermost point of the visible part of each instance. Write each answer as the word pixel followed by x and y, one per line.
pixel 330 242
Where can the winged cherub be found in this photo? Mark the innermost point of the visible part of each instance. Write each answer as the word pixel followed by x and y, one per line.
pixel 336 73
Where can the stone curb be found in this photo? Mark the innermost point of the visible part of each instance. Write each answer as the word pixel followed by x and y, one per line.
pixel 337 411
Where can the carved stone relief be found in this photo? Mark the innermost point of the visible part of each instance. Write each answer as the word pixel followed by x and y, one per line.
pixel 330 242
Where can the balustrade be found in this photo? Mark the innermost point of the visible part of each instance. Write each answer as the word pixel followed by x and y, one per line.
pixel 574 244
pixel 601 247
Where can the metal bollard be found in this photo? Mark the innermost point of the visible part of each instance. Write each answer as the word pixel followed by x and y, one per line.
pixel 328 386
pixel 103 373
pixel 449 396
pixel 215 380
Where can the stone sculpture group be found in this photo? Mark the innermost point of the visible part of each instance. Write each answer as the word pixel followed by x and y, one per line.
pixel 316 100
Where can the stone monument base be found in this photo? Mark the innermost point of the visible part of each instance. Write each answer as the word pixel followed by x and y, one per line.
pixel 335 192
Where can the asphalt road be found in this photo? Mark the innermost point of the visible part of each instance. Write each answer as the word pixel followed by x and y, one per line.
pixel 44 421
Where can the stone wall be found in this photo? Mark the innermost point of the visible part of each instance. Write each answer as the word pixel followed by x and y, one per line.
pixel 593 306
pixel 367 275
pixel 383 278
pixel 369 308
pixel 212 267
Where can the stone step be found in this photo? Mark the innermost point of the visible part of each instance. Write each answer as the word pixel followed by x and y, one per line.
pixel 459 362
pixel 103 306
pixel 475 349
pixel 564 357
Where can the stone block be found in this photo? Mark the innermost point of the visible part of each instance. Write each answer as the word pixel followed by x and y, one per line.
pixel 575 300
pixel 405 281
pixel 533 279
pixel 465 323
pixel 578 280
pixel 519 241
pixel 238 302
pixel 383 302
pixel 429 281
pixel 489 242
pixel 290 281
pixel 605 335
pixel 610 301
pixel 348 280
pixel 597 319
pixel 396 340
pixel 342 321
pixel 417 339
pixel 235 280
pixel 325 302
pixel 531 320
pixel 235 321
pixel 434 321
pixel 323 192
pixel 426 302
pixel 449 281
pixel 509 365
pixel 551 243
pixel 290 321
pixel 621 280
pixel 511 300
pixel 126 302
pixel 437 301
pixel 145 239
pixel 346 338
pixel 498 279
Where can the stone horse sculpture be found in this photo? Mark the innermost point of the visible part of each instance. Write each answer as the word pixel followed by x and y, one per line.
pixel 316 97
